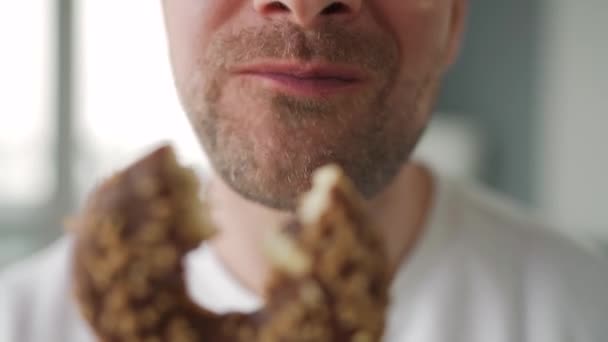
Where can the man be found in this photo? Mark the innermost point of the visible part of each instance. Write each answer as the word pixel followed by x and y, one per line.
pixel 275 89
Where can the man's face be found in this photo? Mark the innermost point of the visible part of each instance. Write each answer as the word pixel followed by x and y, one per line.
pixel 275 89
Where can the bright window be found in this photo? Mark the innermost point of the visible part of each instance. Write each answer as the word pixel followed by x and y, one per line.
pixel 128 102
pixel 26 129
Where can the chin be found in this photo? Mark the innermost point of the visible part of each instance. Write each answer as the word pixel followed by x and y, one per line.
pixel 282 194
pixel 280 187
pixel 274 183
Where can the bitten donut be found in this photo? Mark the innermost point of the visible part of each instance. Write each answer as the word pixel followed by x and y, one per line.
pixel 329 282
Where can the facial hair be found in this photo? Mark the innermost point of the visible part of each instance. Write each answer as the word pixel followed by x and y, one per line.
pixel 366 134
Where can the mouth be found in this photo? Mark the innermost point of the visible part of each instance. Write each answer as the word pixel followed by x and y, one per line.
pixel 305 79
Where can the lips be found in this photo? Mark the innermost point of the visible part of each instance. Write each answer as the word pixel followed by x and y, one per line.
pixel 309 80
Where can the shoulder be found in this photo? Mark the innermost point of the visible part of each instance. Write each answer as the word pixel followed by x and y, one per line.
pixel 48 265
pixel 487 270
pixel 496 237
pixel 35 293
pixel 496 222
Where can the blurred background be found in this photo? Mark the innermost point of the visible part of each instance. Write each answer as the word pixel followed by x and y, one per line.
pixel 86 87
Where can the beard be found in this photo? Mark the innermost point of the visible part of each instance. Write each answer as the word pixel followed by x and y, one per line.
pixel 265 145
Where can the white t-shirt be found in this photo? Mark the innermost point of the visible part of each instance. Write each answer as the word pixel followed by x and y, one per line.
pixel 482 272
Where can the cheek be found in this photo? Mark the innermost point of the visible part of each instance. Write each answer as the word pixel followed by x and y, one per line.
pixel 190 26
pixel 421 27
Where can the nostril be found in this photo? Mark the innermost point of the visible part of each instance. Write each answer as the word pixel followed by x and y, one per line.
pixel 335 8
pixel 276 6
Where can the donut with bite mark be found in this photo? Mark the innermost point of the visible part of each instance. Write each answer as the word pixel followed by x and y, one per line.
pixel 329 282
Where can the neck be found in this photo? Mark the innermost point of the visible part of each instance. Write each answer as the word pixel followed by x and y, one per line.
pixel 400 211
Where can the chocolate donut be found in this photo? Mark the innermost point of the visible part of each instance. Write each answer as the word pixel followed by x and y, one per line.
pixel 329 280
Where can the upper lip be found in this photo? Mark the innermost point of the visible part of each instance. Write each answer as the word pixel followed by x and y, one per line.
pixel 311 70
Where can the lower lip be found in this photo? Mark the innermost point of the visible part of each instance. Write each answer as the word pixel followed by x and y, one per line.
pixel 308 87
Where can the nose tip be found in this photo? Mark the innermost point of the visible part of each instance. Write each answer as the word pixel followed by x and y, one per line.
pixel 307 13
